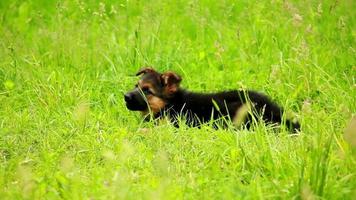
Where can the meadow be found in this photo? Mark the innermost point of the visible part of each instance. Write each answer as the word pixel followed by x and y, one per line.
pixel 65 132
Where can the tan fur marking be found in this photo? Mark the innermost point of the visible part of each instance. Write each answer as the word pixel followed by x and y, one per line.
pixel 149 86
pixel 155 103
pixel 169 90
pixel 171 82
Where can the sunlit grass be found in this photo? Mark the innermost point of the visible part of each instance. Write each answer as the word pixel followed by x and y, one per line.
pixel 65 131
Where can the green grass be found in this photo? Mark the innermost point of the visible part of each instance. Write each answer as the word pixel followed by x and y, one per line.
pixel 65 131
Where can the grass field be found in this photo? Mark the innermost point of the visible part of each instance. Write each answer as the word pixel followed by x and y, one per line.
pixel 65 132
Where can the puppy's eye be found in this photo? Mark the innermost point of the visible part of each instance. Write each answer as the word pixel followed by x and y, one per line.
pixel 146 90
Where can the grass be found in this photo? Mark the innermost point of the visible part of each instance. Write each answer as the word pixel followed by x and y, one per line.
pixel 65 131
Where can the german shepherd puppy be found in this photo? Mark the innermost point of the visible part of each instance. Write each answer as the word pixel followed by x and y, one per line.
pixel 158 95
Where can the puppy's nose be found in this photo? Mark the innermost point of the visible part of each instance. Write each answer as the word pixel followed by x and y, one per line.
pixel 128 97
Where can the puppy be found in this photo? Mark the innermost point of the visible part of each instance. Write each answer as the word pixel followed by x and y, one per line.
pixel 158 95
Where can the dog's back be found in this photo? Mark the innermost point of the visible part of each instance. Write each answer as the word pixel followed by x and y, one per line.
pixel 238 105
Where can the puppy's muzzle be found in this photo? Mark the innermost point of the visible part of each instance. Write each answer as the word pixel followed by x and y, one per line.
pixel 135 101
pixel 128 97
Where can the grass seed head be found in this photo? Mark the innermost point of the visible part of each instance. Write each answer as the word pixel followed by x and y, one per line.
pixel 350 132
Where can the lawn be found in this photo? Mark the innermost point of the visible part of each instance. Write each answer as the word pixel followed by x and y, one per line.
pixel 65 132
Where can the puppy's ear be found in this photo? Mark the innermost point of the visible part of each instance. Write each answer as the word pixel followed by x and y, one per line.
pixel 171 81
pixel 145 70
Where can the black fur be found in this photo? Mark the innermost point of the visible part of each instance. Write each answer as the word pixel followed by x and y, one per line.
pixel 159 95
pixel 200 108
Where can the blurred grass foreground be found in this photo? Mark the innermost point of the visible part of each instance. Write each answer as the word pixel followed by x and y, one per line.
pixel 65 132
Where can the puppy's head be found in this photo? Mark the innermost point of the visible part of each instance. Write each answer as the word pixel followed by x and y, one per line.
pixel 152 91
